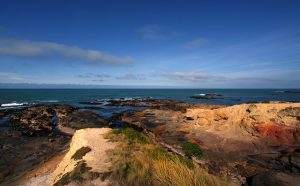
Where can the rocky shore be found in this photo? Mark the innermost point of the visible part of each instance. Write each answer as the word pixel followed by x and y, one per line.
pixel 38 133
pixel 242 141
pixel 252 144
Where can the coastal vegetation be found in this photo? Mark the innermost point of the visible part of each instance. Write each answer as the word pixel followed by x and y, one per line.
pixel 171 145
pixel 139 161
pixel 191 149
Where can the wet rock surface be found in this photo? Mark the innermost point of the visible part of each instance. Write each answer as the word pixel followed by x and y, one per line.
pixel 40 120
pixel 160 104
pixel 34 135
pixel 272 178
pixel 20 153
pixel 83 119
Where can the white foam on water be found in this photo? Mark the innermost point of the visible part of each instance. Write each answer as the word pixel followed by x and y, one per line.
pixel 201 94
pixel 48 101
pixel 13 104
pixel 279 91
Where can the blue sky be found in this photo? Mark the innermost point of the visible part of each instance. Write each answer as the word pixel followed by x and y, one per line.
pixel 194 44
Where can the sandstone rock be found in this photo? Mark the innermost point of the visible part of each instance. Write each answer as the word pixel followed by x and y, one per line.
pixel 87 152
pixel 229 135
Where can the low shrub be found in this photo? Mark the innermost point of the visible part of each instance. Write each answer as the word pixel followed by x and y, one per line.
pixel 132 135
pixel 191 149
pixel 251 107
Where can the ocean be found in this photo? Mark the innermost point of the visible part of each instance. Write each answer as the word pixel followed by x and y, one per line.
pixel 19 97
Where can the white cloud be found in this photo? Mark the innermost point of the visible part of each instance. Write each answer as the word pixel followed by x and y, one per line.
pixel 93 75
pixel 35 49
pixel 152 32
pixel 131 76
pixel 244 79
pixel 191 76
pixel 10 76
pixel 196 42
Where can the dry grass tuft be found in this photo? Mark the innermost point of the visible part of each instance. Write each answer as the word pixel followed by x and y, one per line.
pixel 137 161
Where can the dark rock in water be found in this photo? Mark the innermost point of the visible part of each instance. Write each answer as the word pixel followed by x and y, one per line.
pixel 4 123
pixel 123 102
pixel 93 108
pixel 292 91
pixel 6 112
pixel 83 119
pixel 91 102
pixel 206 96
pixel 39 120
pixel 236 99
pixel 272 178
pixel 2 114
pixel 153 103
pixel 35 138
pixel 42 120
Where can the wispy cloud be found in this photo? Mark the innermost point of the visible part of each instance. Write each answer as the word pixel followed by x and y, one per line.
pixel 94 77
pixel 195 43
pixel 190 76
pixel 265 75
pixel 131 76
pixel 10 76
pixel 152 32
pixel 98 80
pixel 36 49
pixel 258 78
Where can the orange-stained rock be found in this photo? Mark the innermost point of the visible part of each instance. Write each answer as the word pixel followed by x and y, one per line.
pixel 244 139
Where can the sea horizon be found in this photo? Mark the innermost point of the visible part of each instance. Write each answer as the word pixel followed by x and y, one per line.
pixel 73 96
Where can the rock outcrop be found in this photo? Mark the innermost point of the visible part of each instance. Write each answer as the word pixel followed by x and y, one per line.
pixel 241 140
pixel 43 120
pixel 38 133
pixel 86 162
pixel 255 144
pixel 20 154
pixel 40 120
pixel 163 104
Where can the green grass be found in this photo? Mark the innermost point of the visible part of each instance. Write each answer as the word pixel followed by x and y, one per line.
pixel 191 149
pixel 159 153
pixel 138 161
pixel 132 135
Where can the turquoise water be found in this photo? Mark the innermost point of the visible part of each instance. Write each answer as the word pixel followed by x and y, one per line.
pixel 73 96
